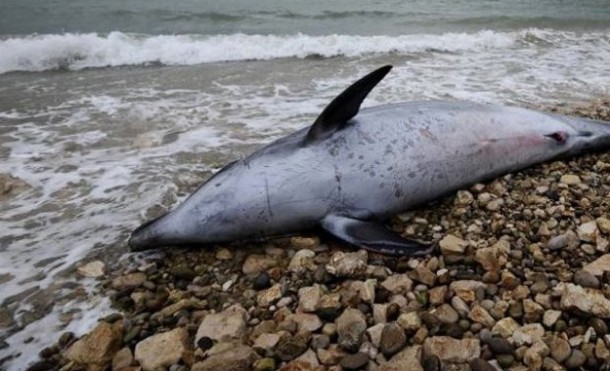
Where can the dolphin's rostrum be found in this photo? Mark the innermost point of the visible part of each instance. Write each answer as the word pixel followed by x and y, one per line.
pixel 356 167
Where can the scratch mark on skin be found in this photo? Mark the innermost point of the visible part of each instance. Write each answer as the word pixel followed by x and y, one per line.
pixel 268 199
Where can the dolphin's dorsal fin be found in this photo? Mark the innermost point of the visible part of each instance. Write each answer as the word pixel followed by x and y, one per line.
pixel 344 106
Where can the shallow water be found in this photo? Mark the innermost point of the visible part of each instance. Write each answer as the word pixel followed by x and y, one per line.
pixel 109 129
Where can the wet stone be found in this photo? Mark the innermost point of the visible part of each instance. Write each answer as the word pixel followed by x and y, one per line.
pixel 224 254
pixel 393 339
pixel 205 343
pixel 262 281
pixel 560 349
pixel 302 261
pixel 351 325
pixel 121 359
pixel 407 359
pixel 485 335
pixel 500 346
pixel 397 284
pixel 266 341
pixel 354 361
pixel 239 357
pixel 432 363
pixel 42 366
pixel 452 245
pixel 309 297
pixel 570 179
pixel 515 310
pixel 132 334
pixel 320 341
pixel 452 350
pixel 454 330
pixel 586 279
pixel 269 296
pixel 129 281
pixel 48 352
pixel 480 315
pixel 229 324
pixel 305 321
pixel 162 350
pixel 437 295
pixel 92 269
pixel 564 241
pixel 289 348
pixel 460 306
pixel 321 275
pixel 588 231
pixel 183 271
pixel 409 321
pixel 550 317
pixel 300 242
pixel 331 356
pixel 348 264
pixel 466 289
pixel 264 364
pixel 599 266
pixel 599 325
pixel 392 312
pixel 425 275
pixel 505 360
pixel 11 185
pixel 98 346
pixel 479 364
pixel 65 338
pixel 257 263
pixel 586 300
pixel 576 359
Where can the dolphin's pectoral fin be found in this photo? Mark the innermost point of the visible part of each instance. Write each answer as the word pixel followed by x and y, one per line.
pixel 372 236
pixel 345 106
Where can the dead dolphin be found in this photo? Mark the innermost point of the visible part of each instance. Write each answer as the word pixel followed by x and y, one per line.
pixel 353 168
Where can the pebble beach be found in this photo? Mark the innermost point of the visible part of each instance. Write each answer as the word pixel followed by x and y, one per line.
pixel 112 113
pixel 518 280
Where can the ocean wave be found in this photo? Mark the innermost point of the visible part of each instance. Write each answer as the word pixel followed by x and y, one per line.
pixel 78 51
pixel 333 15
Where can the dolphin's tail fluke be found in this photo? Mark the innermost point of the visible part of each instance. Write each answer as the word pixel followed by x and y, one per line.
pixel 146 236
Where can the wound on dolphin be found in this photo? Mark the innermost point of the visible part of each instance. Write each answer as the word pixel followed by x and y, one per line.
pixel 354 168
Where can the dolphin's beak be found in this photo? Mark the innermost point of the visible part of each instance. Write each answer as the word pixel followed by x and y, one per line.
pixel 145 237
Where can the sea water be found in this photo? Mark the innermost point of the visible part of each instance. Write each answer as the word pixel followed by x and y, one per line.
pixel 113 110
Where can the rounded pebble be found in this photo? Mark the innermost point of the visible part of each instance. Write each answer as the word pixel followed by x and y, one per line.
pixel 354 361
pixel 262 281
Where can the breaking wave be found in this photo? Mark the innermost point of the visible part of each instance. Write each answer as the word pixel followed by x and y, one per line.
pixel 77 51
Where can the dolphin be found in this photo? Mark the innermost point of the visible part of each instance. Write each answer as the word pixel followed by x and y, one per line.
pixel 354 168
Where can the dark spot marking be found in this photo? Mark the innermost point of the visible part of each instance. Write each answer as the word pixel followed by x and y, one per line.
pixel 560 136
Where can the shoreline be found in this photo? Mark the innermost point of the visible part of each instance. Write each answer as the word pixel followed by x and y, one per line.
pixel 515 252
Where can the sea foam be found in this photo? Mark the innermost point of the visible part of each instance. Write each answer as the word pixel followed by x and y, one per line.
pixel 78 51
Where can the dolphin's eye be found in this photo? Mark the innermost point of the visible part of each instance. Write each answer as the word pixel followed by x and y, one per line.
pixel 558 136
